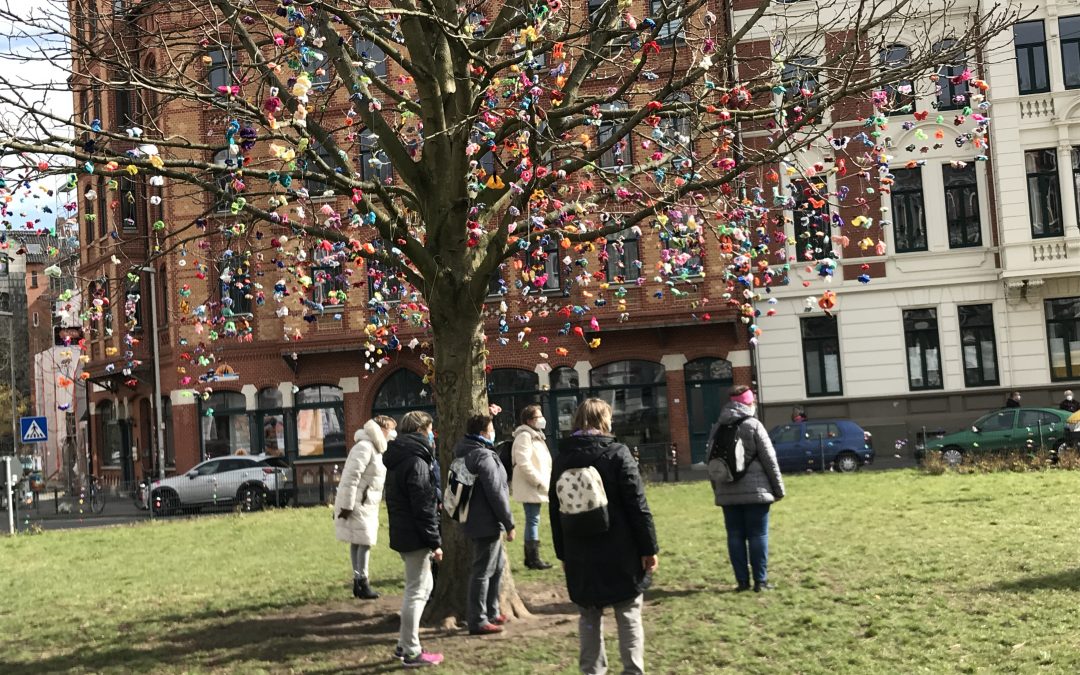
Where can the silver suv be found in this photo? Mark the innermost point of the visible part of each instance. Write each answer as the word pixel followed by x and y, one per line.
pixel 248 481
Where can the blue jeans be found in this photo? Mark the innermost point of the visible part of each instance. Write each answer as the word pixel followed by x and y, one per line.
pixel 532 522
pixel 748 527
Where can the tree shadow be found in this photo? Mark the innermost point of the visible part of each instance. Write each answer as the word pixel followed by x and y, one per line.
pixel 1066 580
pixel 661 594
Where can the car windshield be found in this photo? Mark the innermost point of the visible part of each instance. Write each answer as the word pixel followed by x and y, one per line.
pixel 999 420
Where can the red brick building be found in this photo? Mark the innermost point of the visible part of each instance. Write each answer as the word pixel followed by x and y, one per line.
pixel 300 386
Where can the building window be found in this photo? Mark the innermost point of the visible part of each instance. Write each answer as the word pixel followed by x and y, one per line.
pixel 167 419
pixel 316 178
pixel 900 93
pixel 673 133
pixel 219 73
pixel 235 286
pixel 563 400
pixel 270 422
pixel 544 266
pixel 799 81
pixel 620 153
pixel 320 421
pixel 909 216
pixel 329 287
pixel 1069 30
pixel 374 164
pixel 821 356
pixel 811 220
pixel 978 345
pixel 401 392
pixel 637 394
pixel 1044 193
pixel 672 31
pixel 129 211
pixel 1076 175
pixel 33 279
pixel 133 306
pixel 511 389
pixel 1063 338
pixel 224 421
pixel 384 285
pixel 923 351
pixel 102 205
pixel 623 257
pixel 951 88
pixel 36 321
pixel 371 56
pixel 962 205
pixel 109 433
pixel 1032 72
pixel 223 201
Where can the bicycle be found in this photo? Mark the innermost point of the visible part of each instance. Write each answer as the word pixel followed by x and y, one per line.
pixel 95 495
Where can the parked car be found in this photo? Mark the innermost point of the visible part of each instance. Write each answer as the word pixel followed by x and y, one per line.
pixel 817 444
pixel 1005 429
pixel 250 481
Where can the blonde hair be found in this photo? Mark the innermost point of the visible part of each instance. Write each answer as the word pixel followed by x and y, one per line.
pixel 593 414
pixel 414 421
pixel 384 421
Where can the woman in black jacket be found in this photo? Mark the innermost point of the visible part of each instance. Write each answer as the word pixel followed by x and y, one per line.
pixel 413 509
pixel 608 559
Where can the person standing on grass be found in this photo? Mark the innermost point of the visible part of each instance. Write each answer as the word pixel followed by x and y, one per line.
pixel 746 500
pixel 532 477
pixel 604 535
pixel 358 497
pixel 413 509
pixel 489 516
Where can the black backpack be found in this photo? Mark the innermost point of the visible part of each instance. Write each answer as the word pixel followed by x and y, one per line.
pixel 505 451
pixel 727 456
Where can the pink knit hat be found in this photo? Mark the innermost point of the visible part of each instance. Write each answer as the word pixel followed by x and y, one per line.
pixel 746 398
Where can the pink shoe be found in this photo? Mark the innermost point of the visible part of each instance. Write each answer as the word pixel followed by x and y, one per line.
pixel 422 660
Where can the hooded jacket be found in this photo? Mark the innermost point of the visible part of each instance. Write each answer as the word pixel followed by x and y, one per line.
pixel 762 482
pixel 605 569
pixel 489 503
pixel 361 487
pixel 532 466
pixel 411 494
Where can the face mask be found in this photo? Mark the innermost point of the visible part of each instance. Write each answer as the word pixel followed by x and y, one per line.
pixel 753 410
pixel 392 434
pixel 541 424
pixel 431 437
pixel 1069 397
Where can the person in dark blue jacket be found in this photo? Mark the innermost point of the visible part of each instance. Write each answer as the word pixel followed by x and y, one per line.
pixel 488 517
pixel 413 508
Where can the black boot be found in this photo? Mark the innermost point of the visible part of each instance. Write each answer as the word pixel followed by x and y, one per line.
pixel 532 557
pixel 363 591
pixel 356 587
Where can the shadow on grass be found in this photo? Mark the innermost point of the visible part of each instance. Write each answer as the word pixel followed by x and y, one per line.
pixel 229 639
pixel 1068 580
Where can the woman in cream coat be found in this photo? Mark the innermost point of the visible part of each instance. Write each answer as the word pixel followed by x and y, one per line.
pixel 358 496
pixel 532 474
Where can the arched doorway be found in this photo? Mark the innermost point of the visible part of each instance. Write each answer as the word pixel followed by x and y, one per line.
pixel 403 391
pixel 707 383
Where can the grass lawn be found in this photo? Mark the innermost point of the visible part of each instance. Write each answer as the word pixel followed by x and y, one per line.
pixel 889 572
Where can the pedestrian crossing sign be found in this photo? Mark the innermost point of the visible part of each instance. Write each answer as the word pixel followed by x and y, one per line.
pixel 34 429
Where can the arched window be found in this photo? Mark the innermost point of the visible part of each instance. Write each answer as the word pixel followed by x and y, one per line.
pixel 637 393
pixel 900 92
pixel 403 391
pixel 707 368
pixel 320 421
pixel 224 421
pixel 109 433
pixel 564 377
pixel 563 401
pixel 511 389
pixel 270 422
pixel 951 90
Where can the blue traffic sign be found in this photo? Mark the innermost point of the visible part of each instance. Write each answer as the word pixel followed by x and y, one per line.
pixel 34 429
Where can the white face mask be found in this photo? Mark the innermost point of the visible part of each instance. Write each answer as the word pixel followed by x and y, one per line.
pixel 753 410
pixel 1069 397
pixel 392 434
pixel 541 424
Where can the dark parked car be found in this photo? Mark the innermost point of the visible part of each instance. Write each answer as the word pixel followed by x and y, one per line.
pixel 1005 429
pixel 816 445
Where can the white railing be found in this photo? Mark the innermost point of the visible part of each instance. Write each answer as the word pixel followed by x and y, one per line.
pixel 1050 251
pixel 1036 107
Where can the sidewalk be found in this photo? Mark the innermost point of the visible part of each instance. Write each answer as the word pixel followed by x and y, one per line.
pixel 116 506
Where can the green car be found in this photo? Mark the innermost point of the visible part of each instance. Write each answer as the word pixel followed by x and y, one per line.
pixel 1005 429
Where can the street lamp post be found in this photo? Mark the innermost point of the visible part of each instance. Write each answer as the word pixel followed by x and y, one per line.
pixel 158 412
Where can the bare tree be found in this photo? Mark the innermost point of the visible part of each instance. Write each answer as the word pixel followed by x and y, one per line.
pixel 436 140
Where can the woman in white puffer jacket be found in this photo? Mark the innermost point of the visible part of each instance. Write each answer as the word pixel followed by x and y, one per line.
pixel 359 493
pixel 532 475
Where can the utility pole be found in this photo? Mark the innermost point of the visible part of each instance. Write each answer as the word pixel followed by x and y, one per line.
pixel 158 412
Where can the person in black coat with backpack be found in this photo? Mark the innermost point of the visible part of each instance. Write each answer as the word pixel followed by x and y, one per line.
pixel 412 507
pixel 608 551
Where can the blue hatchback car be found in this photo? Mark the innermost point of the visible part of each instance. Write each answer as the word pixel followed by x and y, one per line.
pixel 818 444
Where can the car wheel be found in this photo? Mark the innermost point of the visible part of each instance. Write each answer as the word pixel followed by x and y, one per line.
pixel 846 462
pixel 165 503
pixel 251 498
pixel 952 455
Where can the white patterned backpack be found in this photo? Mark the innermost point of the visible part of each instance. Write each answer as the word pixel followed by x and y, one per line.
pixel 583 502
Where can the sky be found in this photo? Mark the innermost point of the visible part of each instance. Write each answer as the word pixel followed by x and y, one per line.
pixel 34 57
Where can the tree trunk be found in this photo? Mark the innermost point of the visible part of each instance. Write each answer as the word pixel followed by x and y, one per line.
pixel 460 387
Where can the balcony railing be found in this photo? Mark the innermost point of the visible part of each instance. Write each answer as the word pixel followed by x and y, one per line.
pixel 1036 107
pixel 1050 251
